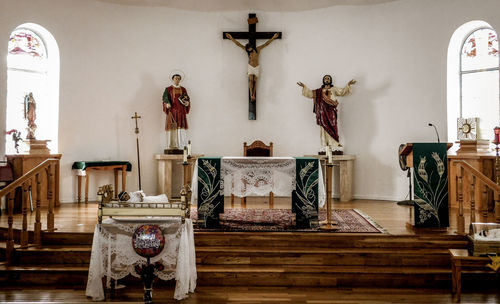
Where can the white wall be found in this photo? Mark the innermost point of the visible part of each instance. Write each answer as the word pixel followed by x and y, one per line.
pixel 116 59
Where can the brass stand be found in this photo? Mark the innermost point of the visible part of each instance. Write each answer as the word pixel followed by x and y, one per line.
pixel 329 224
pixel 187 184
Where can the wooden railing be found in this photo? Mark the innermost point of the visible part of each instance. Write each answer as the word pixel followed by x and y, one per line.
pixel 48 168
pixel 485 183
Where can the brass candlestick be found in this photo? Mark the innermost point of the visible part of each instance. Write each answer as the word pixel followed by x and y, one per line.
pixel 329 224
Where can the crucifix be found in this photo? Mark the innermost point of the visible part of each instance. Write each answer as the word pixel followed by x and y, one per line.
pixel 137 142
pixel 253 52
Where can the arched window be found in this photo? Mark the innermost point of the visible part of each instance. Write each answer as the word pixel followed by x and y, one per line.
pixel 476 100
pixel 32 67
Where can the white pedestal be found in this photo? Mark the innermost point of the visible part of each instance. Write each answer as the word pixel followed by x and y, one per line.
pixel 169 183
pixel 346 172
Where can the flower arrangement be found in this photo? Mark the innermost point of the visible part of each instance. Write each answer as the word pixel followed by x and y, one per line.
pixel 16 137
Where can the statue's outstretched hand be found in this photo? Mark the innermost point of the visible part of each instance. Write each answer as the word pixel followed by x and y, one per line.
pixel 228 36
pixel 276 35
pixel 300 84
pixel 352 82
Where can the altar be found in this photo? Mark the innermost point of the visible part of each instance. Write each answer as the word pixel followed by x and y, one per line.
pixel 216 177
pixel 114 258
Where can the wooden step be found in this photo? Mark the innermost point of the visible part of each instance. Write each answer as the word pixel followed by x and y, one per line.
pixel 321 276
pixel 322 256
pixel 262 275
pixel 53 255
pixel 256 256
pixel 286 239
pixel 43 275
pixel 327 240
pixel 67 238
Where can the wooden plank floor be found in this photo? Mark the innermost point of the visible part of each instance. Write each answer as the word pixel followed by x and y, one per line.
pixel 257 295
pixel 74 217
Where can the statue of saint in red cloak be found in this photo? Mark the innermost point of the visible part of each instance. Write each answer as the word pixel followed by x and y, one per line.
pixel 176 105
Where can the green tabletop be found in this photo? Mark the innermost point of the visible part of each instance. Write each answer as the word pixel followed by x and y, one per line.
pixel 82 165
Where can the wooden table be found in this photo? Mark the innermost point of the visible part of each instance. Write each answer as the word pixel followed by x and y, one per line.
pixel 90 166
pixel 346 172
pixel 461 261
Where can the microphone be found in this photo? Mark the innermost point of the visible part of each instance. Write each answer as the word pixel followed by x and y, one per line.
pixel 435 129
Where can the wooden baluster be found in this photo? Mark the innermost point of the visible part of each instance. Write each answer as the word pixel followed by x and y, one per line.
pixel 497 207
pixel 38 222
pixel 50 197
pixel 484 205
pixel 24 231
pixel 10 231
pixel 473 200
pixel 460 196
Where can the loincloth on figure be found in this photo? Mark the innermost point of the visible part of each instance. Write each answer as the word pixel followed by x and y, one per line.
pixel 254 70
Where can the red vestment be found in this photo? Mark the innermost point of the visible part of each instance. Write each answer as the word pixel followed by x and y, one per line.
pixel 178 110
pixel 326 114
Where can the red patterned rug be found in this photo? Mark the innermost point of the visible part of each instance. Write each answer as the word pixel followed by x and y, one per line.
pixel 349 220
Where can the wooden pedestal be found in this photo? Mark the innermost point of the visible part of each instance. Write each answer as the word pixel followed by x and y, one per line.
pixel 483 162
pixel 346 164
pixel 22 163
pixel 167 164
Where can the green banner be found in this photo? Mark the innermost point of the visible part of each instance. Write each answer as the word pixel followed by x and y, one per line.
pixel 305 195
pixel 210 191
pixel 431 184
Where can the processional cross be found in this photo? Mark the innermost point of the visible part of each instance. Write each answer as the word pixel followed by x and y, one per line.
pixel 253 57
pixel 137 145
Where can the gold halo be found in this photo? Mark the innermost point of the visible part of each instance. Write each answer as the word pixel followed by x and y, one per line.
pixel 177 71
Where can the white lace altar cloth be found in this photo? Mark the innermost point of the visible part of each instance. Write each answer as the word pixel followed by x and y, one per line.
pixel 112 246
pixel 257 176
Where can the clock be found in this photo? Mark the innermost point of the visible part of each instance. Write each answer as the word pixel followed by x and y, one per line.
pixel 467 128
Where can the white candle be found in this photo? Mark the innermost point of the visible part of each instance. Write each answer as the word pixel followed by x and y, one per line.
pixel 189 148
pixel 185 155
pixel 329 155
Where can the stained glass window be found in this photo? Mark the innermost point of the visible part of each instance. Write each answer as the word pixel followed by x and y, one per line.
pixel 480 80
pixel 27 51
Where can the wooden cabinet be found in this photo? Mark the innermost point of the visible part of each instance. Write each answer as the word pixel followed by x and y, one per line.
pixel 485 163
pixel 21 164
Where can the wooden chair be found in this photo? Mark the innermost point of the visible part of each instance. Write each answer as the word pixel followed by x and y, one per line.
pixel 257 148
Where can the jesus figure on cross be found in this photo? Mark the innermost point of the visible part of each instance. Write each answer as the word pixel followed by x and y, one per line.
pixel 253 61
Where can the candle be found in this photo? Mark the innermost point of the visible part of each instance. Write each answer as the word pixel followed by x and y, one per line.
pixel 189 148
pixel 185 155
pixel 329 154
pixel 497 135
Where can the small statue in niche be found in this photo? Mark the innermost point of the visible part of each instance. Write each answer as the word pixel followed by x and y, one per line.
pixel 325 108
pixel 30 115
pixel 176 104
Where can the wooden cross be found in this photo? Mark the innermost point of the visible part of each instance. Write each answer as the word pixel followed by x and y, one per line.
pixel 252 35
pixel 136 126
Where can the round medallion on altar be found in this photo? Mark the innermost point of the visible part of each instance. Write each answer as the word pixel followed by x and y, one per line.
pixel 148 241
